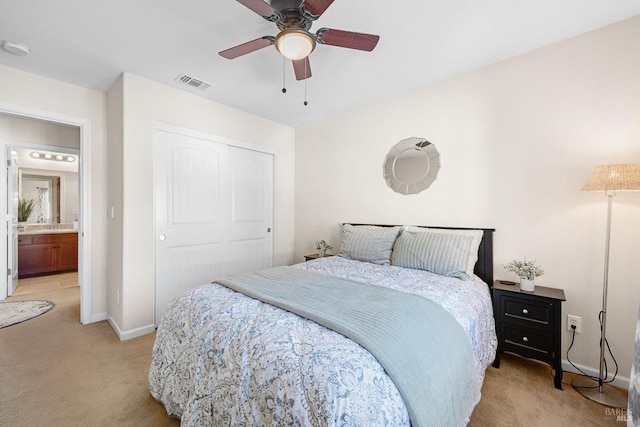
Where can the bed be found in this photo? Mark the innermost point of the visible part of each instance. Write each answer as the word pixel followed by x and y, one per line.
pixel 235 352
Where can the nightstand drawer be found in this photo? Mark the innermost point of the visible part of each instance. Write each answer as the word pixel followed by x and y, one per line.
pixel 526 339
pixel 528 311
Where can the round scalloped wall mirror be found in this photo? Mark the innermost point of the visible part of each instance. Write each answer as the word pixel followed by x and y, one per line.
pixel 411 165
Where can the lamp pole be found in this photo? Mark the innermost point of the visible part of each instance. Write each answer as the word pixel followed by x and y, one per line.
pixel 605 287
pixel 608 396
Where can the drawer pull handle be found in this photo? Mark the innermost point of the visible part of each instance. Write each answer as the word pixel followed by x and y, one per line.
pixel 525 339
pixel 525 311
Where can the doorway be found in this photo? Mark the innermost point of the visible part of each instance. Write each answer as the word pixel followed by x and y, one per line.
pixel 46 222
pixel 83 127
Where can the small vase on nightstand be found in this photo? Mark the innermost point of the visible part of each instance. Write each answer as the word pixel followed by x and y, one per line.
pixel 527 285
pixel 323 248
pixel 525 270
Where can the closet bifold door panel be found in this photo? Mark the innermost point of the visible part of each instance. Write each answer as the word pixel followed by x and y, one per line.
pixel 251 234
pixel 214 212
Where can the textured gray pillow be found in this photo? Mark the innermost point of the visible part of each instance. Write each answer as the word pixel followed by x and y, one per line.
pixel 473 251
pixel 437 252
pixel 368 243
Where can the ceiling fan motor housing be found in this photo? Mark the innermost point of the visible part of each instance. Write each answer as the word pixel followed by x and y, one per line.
pixel 291 15
pixel 282 5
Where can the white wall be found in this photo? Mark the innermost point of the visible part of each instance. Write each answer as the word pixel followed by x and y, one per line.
pixel 25 90
pixel 517 139
pixel 69 207
pixel 115 124
pixel 30 131
pixel 144 102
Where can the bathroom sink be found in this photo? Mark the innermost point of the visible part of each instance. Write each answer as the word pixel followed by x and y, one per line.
pixel 48 231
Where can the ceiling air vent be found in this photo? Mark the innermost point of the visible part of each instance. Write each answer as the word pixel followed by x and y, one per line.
pixel 193 82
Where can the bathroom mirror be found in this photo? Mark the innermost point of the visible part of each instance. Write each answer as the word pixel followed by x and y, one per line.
pixel 45 190
pixel 411 165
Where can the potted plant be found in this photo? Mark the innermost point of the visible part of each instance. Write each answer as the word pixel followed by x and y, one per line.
pixel 527 271
pixel 25 207
pixel 323 247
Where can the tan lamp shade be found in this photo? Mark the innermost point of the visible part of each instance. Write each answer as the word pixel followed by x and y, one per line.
pixel 614 178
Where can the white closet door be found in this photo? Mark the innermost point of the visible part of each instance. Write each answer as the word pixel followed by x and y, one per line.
pixel 214 212
pixel 251 236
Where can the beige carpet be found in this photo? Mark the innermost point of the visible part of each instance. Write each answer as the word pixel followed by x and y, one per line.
pixel 521 393
pixel 56 372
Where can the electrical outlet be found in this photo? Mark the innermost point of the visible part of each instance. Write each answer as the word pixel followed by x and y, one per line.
pixel 574 321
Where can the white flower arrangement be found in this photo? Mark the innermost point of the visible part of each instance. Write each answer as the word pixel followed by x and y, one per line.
pixel 525 269
pixel 323 247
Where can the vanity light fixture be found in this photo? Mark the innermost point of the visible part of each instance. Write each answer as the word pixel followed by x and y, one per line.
pixel 49 156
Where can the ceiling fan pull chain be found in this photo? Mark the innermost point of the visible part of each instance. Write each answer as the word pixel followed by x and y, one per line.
pixel 305 84
pixel 305 93
pixel 284 88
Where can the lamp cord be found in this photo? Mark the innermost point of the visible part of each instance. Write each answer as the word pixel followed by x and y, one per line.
pixel 606 373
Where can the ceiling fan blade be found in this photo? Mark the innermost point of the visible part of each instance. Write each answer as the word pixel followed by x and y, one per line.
pixel 347 39
pixel 312 9
pixel 247 47
pixel 261 8
pixel 302 67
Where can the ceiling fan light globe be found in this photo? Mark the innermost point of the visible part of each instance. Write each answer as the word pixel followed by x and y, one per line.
pixel 295 44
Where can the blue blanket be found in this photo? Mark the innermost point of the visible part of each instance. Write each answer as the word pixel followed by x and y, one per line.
pixel 423 349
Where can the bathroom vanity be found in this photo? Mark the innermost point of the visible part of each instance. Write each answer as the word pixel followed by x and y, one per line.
pixel 46 252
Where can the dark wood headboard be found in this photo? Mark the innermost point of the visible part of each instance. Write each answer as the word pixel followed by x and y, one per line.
pixel 484 266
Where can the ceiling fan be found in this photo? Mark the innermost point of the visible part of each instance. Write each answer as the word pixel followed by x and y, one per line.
pixel 294 41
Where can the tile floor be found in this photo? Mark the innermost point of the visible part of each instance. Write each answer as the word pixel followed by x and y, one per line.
pixel 46 283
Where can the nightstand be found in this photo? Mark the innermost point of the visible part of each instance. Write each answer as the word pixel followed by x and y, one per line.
pixel 310 257
pixel 529 324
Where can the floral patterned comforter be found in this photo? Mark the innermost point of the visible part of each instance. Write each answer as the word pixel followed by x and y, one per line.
pixel 222 358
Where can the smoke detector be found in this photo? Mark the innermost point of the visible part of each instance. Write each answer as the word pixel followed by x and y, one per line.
pixel 15 48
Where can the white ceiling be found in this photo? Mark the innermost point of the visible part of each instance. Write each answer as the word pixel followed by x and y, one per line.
pixel 91 42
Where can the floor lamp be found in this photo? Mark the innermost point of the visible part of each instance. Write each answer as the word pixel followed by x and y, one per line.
pixel 610 179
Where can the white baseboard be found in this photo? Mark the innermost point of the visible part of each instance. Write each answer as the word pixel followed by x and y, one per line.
pixel 134 333
pixel 620 381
